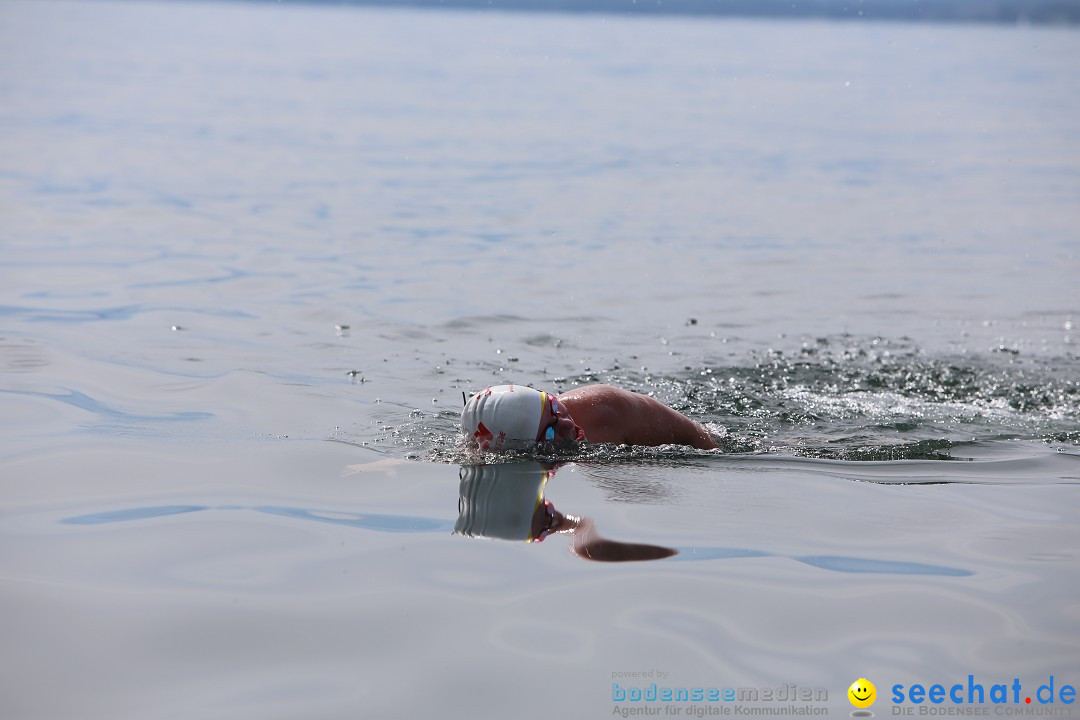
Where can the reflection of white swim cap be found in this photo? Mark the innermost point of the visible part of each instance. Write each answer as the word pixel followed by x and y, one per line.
pixel 502 417
pixel 499 501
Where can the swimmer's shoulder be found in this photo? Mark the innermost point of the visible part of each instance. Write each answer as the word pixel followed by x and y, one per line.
pixel 606 413
pixel 599 402
pixel 608 396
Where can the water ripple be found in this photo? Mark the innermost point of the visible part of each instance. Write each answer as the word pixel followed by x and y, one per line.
pixel 122 312
pixel 85 402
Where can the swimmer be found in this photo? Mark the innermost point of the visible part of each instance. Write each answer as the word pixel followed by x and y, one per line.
pixel 504 417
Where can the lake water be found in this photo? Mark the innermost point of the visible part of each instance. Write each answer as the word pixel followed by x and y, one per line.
pixel 251 256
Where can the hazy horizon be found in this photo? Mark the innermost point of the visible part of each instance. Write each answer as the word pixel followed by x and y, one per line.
pixel 981 11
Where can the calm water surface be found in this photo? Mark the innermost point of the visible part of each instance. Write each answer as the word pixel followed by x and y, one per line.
pixel 250 256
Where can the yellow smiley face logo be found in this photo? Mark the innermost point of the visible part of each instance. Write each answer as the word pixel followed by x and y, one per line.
pixel 862 693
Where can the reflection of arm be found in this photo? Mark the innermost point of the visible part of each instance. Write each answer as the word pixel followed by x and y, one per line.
pixel 590 546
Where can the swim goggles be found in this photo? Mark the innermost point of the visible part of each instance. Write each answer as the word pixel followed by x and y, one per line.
pixel 549 433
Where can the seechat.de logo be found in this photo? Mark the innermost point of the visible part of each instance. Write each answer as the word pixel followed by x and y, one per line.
pixel 862 694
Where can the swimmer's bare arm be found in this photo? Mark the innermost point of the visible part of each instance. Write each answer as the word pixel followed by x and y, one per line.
pixel 657 424
pixel 610 414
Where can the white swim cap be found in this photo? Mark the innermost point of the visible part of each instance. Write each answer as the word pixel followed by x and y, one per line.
pixel 499 501
pixel 503 417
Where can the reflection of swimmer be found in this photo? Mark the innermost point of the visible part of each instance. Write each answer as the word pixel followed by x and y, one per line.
pixel 586 543
pixel 507 502
pixel 508 416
